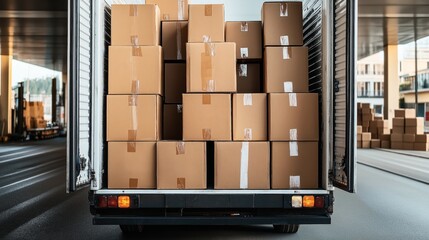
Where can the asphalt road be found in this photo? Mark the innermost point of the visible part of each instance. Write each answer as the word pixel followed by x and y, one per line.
pixel 34 204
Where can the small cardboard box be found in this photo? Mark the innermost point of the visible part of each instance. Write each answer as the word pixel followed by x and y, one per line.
pixel 366 144
pixel 282 23
pixel 293 117
pixel 172 122
pixel 366 137
pixel 206 22
pixel 247 37
pixel 294 165
pixel 359 129
pixel 135 70
pixel 385 137
pixel 414 130
pixel 286 69
pixel 134 117
pixel 367 117
pixel 396 145
pixel 359 137
pixel 396 137
pixel 171 9
pixel 385 144
pixel 409 138
pixel 422 138
pixel 249 78
pixel 421 146
pixel 405 113
pixel 366 106
pixel 375 143
pixel 174 82
pixel 407 146
pixel 398 122
pixel 211 67
pixel 181 165
pixel 174 39
pixel 414 122
pixel 131 165
pixel 249 117
pixel 135 25
pixel 242 165
pixel 398 129
pixel 207 117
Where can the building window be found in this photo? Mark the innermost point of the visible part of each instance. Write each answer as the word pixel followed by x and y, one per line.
pixel 366 68
pixel 378 109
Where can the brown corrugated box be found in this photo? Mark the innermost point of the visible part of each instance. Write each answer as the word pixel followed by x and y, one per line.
pixel 181 165
pixel 405 113
pixel 396 145
pixel 398 129
pixel 242 165
pixel 359 129
pixel 366 117
pixel 282 23
pixel 206 21
pixel 172 122
pixel 422 138
pixel 414 130
pixel 211 67
pixel 174 39
pixel 366 144
pixel 375 143
pixel 293 116
pixel 407 146
pixel 135 25
pixel 421 146
pixel 385 144
pixel 249 78
pixel 396 137
pixel 366 106
pixel 366 137
pixel 249 117
pixel 131 165
pixel 134 117
pixel 247 37
pixel 296 161
pixel 359 137
pixel 409 138
pixel 171 9
pixel 414 122
pixel 135 70
pixel 286 69
pixel 385 137
pixel 174 82
pixel 207 117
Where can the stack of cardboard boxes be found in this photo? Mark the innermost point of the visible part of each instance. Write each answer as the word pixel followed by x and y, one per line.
pixel 34 115
pixel 262 134
pixel 406 126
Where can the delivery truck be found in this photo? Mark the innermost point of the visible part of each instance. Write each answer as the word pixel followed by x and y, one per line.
pixel 329 33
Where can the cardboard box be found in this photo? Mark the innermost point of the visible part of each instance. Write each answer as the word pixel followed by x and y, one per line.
pixel 134 117
pixel 249 78
pixel 294 165
pixel 405 113
pixel 398 122
pixel 409 138
pixel 422 138
pixel 206 22
pixel 247 37
pixel 414 122
pixel 286 69
pixel 407 146
pixel 375 143
pixel 365 129
pixel 395 137
pixel 359 137
pixel 242 165
pixel 396 145
pixel 172 122
pixel 359 129
pixel 366 137
pixel 398 129
pixel 181 165
pixel 135 70
pixel 359 144
pixel 366 117
pixel 359 106
pixel 421 146
pixel 135 25
pixel 293 116
pixel 174 82
pixel 385 144
pixel 211 67
pixel 171 9
pixel 282 23
pixel 131 165
pixel 366 106
pixel 368 111
pixel 414 130
pixel 207 117
pixel 365 126
pixel 366 144
pixel 174 39
pixel 249 117
pixel 385 137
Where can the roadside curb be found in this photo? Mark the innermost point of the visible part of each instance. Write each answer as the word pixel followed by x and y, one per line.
pixel 402 153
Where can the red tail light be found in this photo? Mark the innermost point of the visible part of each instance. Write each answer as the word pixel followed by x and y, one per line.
pixel 319 202
pixel 102 201
pixel 112 201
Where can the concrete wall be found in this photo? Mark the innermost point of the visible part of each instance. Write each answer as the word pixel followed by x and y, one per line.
pixel 5 95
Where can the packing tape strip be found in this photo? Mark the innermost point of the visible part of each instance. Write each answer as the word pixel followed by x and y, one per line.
pixel 136 51
pixel 180 148
pixel 284 11
pixel 244 166
pixel 179 108
pixel 207 134
pixel 208 83
pixel 165 16
pixel 247 99
pixel 180 9
pixel 181 183
pixel 248 136
pixel 293 134
pixel 244 26
pixel 288 87
pixel 244 52
pixel 133 10
pixel 295 182
pixel 208 10
pixel 293 101
pixel 207 99
pixel 242 70
pixel 131 147
pixel 287 53
pixel 293 149
pixel 133 182
pixel 132 102
pixel 284 40
pixel 134 13
pixel 179 40
pixel 135 86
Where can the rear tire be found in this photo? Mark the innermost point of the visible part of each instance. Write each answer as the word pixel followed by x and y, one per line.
pixel 131 229
pixel 286 228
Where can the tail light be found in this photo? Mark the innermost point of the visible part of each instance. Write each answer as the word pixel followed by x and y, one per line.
pixel 112 201
pixel 124 201
pixel 308 201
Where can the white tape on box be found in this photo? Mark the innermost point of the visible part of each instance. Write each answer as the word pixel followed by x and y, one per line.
pixel 293 149
pixel 244 52
pixel 293 101
pixel 286 54
pixel 284 40
pixel 242 72
pixel 294 181
pixel 244 166
pixel 288 87
pixel 293 134
pixel 181 9
pixel 247 99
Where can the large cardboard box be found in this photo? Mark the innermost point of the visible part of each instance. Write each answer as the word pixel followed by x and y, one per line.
pixel 293 116
pixel 247 37
pixel 181 165
pixel 174 39
pixel 131 165
pixel 207 117
pixel 206 22
pixel 366 144
pixel 409 138
pixel 397 145
pixel 414 122
pixel 385 144
pixel 135 70
pixel 414 130
pixel 135 25
pixel 249 117
pixel 171 9
pixel 172 122
pixel 405 113
pixel 286 69
pixel 396 137
pixel 398 129
pixel 134 117
pixel 242 165
pixel 375 143
pixel 407 146
pixel 174 82
pixel 421 146
pixel 282 23
pixel 366 136
pixel 359 137
pixel 249 78
pixel 294 165
pixel 422 138
pixel 211 67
